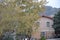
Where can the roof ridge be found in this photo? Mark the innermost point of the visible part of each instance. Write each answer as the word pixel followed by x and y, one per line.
pixel 47 17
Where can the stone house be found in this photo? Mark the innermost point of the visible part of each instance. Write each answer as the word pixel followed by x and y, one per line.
pixel 45 28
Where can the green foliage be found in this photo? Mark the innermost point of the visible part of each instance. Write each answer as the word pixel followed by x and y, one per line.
pixel 7 36
pixel 13 17
pixel 43 38
pixel 56 24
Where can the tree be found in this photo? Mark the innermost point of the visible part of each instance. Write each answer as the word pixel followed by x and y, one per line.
pixel 56 24
pixel 20 14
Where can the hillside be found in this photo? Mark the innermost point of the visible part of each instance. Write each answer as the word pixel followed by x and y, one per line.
pixel 50 11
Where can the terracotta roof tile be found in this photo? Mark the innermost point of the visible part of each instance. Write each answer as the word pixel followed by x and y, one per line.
pixel 48 17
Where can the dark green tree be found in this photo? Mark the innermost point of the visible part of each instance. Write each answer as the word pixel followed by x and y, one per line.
pixel 56 24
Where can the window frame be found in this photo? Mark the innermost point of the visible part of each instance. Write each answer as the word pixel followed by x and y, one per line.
pixel 43 33
pixel 48 24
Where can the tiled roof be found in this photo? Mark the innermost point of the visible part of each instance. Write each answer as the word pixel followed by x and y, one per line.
pixel 48 17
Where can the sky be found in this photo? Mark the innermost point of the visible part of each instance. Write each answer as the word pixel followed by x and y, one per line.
pixel 53 3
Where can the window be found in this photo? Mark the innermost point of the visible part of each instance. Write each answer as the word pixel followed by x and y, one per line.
pixel 37 24
pixel 42 33
pixel 48 24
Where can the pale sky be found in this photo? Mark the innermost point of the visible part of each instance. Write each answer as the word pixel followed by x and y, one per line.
pixel 54 3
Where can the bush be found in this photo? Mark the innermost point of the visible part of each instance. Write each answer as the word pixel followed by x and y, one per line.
pixel 43 38
pixel 8 38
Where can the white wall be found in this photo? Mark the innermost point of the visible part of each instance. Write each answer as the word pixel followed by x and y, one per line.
pixel 43 25
pixel 44 20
